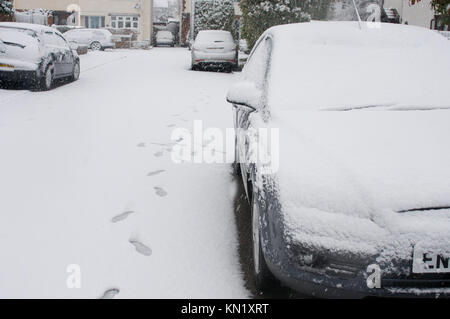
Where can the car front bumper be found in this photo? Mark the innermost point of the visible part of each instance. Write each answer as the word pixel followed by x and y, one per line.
pixel 18 76
pixel 109 45
pixel 340 274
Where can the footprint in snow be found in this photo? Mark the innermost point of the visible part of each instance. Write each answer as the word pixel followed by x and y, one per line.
pixel 160 191
pixel 141 248
pixel 110 293
pixel 122 216
pixel 141 144
pixel 171 125
pixel 156 172
pixel 158 154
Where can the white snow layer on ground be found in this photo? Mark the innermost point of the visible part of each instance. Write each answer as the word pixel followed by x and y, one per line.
pixel 87 179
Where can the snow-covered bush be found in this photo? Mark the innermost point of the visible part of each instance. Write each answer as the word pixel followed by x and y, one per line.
pixel 257 16
pixel 442 8
pixel 344 10
pixel 214 15
pixel 6 7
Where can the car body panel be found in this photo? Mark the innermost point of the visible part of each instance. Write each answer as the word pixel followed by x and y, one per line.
pixel 89 36
pixel 355 186
pixel 214 47
pixel 31 49
pixel 165 38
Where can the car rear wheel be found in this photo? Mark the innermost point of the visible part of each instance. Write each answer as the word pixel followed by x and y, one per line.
pixel 76 71
pixel 46 81
pixel 96 46
pixel 263 278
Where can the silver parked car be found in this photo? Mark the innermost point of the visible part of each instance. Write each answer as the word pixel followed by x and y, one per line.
pixel 214 48
pixel 95 39
pixel 35 55
pixel 350 195
pixel 165 38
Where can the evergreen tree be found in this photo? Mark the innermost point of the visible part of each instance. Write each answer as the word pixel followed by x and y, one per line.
pixel 214 15
pixel 442 8
pixel 6 7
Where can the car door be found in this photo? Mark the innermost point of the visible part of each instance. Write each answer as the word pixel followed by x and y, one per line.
pixel 51 43
pixel 257 72
pixel 68 58
pixel 81 36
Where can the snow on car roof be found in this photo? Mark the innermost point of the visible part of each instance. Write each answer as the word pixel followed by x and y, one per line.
pixel 336 65
pixel 214 31
pixel 28 26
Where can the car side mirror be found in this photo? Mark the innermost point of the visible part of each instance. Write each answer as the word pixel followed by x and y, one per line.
pixel 245 94
pixel 73 45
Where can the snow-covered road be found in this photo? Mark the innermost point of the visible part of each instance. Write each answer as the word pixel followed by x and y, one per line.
pixel 73 159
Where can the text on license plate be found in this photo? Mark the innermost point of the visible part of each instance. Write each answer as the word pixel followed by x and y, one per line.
pixel 429 261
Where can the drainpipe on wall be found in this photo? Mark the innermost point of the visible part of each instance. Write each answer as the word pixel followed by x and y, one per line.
pixel 151 22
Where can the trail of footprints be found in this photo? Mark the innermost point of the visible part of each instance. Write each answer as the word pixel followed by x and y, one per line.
pixel 140 247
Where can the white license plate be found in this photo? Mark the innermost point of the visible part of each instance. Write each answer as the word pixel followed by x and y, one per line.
pixel 430 261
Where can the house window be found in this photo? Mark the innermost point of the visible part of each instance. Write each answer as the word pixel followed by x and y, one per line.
pixel 124 22
pixel 94 22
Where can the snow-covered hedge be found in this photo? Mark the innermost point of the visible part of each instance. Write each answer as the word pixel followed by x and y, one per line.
pixel 214 15
pixel 257 16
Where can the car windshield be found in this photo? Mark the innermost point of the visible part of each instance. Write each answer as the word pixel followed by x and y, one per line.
pixel 214 36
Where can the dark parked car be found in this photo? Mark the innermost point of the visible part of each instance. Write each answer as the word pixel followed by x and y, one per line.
pixel 351 196
pixel 36 55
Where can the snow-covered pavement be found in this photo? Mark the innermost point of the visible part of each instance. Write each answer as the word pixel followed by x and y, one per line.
pixel 86 178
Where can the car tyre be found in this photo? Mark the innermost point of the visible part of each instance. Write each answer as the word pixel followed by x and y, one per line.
pixel 263 278
pixel 76 71
pixel 45 83
pixel 96 46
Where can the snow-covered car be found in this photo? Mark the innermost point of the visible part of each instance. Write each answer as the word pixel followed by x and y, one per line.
pixel 165 38
pixel 95 39
pixel 353 197
pixel 214 48
pixel 36 55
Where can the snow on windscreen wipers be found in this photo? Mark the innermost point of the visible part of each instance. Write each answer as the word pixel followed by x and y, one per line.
pixel 424 209
pixel 387 106
pixel 14 44
pixel 357 107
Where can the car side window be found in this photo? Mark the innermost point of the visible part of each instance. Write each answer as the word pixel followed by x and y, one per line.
pixel 61 42
pixel 99 34
pixel 49 38
pixel 256 69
